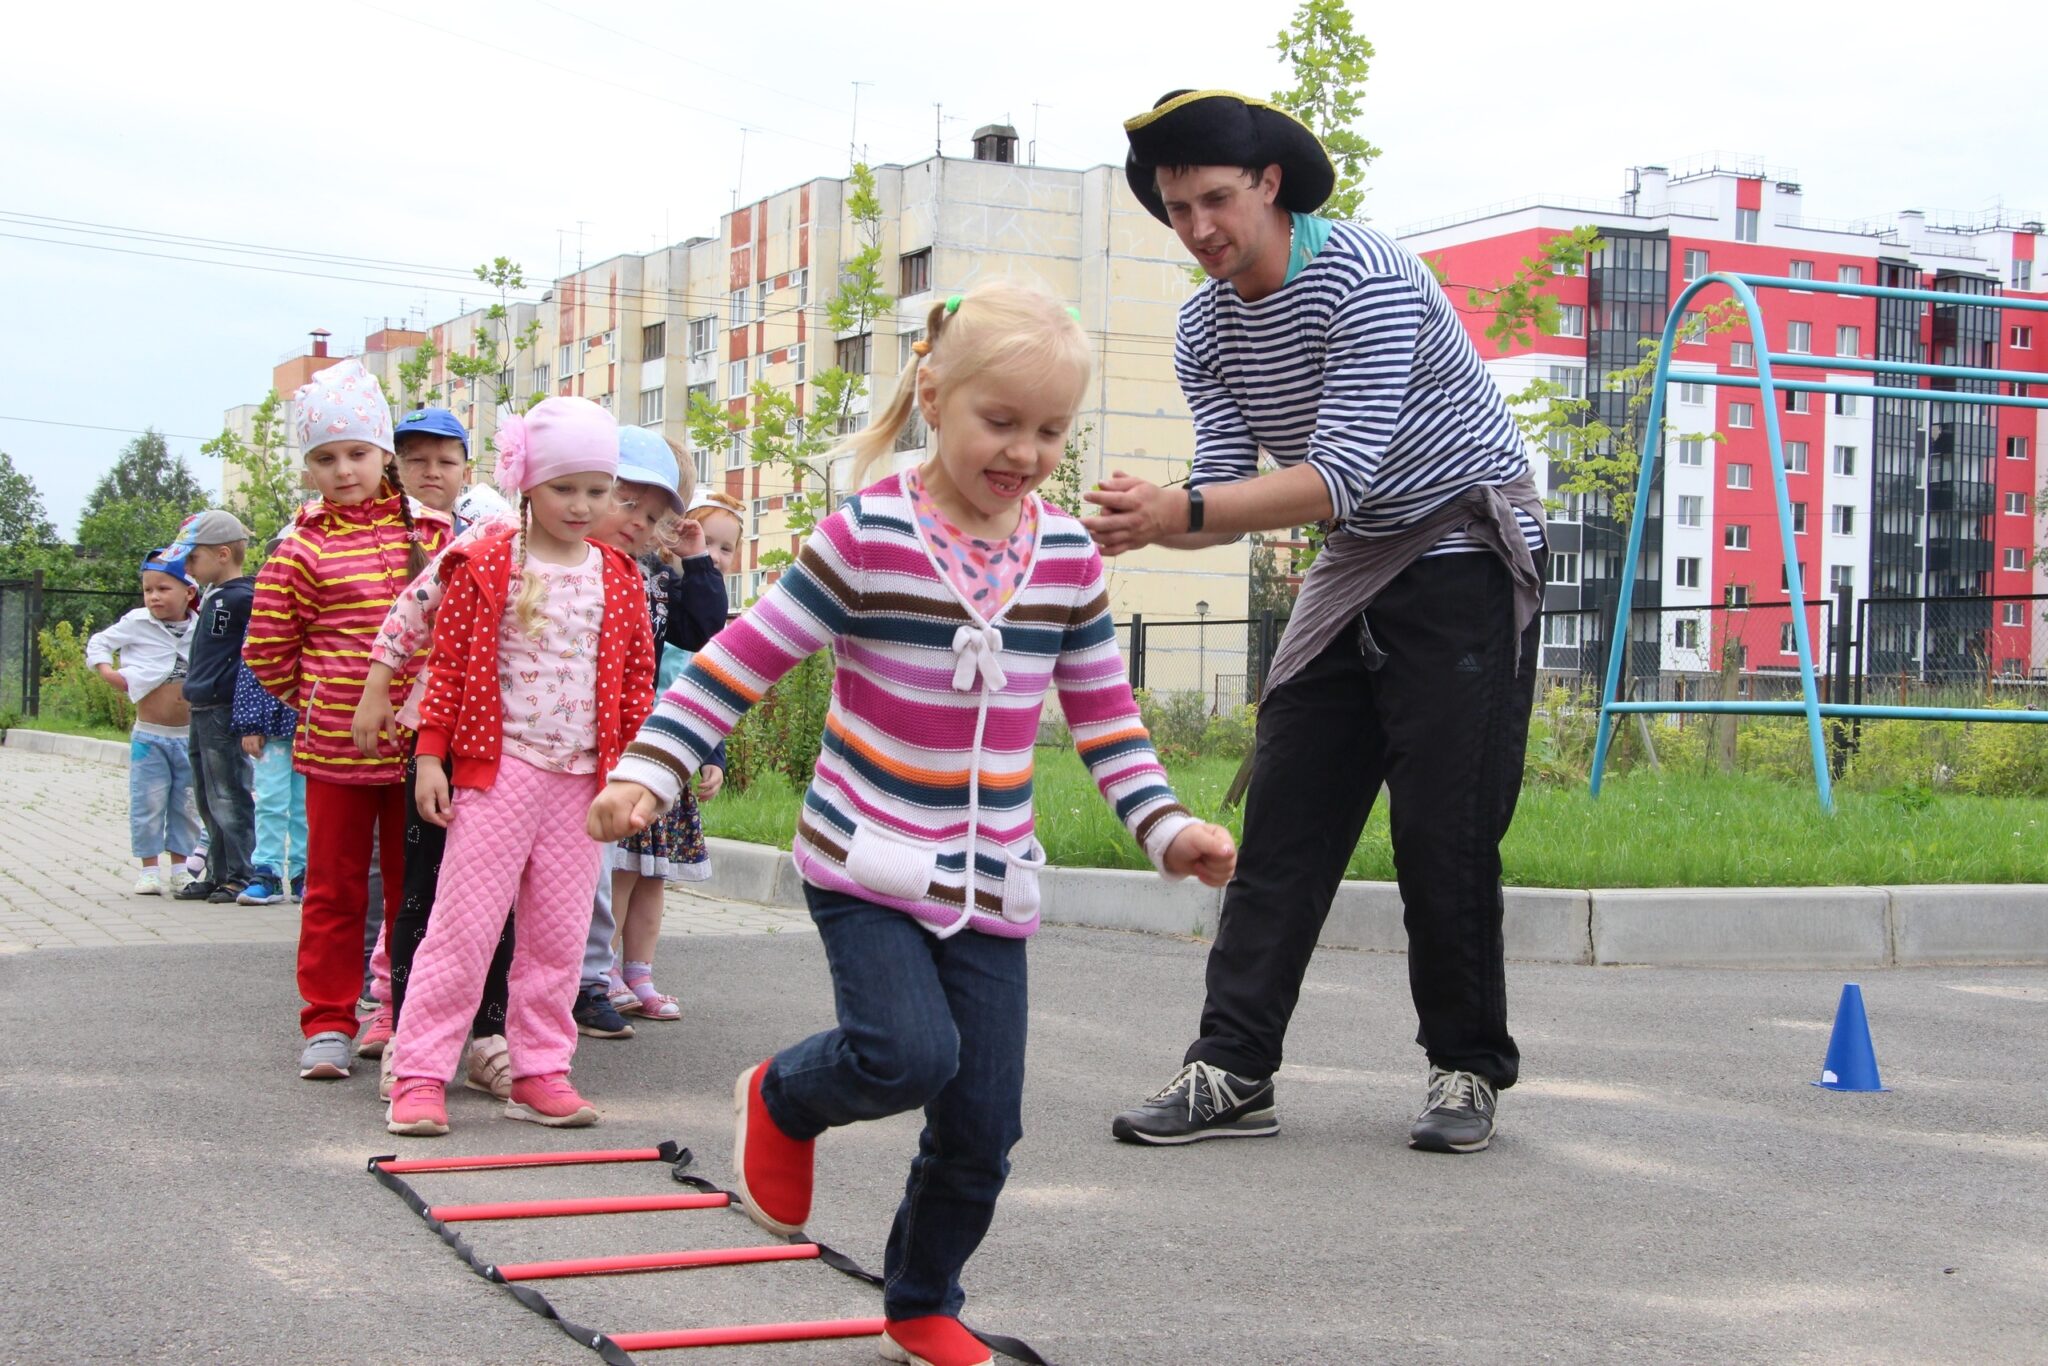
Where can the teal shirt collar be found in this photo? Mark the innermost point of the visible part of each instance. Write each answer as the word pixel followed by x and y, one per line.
pixel 1310 233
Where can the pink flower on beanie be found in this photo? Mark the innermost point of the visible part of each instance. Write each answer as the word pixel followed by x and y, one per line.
pixel 511 447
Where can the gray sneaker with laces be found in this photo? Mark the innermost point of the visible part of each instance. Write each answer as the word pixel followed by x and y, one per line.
pixel 1457 1117
pixel 1202 1101
pixel 326 1056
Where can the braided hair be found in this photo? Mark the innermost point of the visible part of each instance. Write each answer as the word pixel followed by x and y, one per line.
pixel 526 607
pixel 415 550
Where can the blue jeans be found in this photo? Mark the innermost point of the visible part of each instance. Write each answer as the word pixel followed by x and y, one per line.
pixel 280 811
pixel 923 1022
pixel 597 949
pixel 160 814
pixel 220 786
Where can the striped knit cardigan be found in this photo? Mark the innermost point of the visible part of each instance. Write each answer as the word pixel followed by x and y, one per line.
pixel 928 743
pixel 319 602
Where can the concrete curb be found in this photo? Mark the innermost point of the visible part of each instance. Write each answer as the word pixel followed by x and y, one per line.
pixel 79 747
pixel 1735 927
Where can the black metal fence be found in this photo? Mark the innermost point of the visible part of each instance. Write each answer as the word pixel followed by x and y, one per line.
pixel 28 607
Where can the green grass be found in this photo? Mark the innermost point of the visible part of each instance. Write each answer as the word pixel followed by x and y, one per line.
pixel 59 726
pixel 1644 831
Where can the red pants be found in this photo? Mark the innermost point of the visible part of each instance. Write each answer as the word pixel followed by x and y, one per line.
pixel 341 819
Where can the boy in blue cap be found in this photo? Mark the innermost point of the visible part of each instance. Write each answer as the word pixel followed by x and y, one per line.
pixel 433 457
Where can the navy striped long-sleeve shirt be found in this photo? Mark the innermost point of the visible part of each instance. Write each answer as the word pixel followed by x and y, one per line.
pixel 1359 367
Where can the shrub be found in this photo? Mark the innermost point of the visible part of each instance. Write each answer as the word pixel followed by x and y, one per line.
pixel 1179 719
pixel 71 691
pixel 1897 755
pixel 2004 759
pixel 1230 734
pixel 785 729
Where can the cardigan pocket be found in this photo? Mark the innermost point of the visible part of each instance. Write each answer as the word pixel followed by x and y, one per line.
pixel 1020 884
pixel 889 866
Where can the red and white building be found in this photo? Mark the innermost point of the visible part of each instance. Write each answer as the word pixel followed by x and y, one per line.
pixel 1891 499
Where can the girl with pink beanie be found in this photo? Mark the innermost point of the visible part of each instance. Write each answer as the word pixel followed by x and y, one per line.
pixel 543 670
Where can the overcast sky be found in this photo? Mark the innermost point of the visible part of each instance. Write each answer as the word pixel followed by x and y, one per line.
pixel 446 133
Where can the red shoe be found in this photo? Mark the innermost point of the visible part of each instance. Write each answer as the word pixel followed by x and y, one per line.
pixel 370 1043
pixel 419 1108
pixel 549 1100
pixel 772 1170
pixel 934 1340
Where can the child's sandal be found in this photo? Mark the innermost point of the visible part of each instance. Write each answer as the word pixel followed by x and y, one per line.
pixel 656 1007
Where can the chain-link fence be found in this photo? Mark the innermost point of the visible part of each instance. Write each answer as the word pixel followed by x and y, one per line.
pixel 27 609
pixel 1708 651
pixel 1953 652
pixel 1222 660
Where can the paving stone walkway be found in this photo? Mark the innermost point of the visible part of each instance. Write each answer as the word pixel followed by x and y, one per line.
pixel 66 878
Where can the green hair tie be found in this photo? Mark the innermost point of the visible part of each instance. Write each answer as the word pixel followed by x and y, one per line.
pixel 1074 313
pixel 952 305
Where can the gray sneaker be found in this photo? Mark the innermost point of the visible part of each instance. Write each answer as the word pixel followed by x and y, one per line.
pixel 326 1056
pixel 1457 1117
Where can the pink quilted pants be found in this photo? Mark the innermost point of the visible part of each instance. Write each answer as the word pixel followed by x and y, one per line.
pixel 521 837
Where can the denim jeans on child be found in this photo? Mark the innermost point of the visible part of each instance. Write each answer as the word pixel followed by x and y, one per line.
pixel 160 812
pixel 280 811
pixel 923 1021
pixel 220 787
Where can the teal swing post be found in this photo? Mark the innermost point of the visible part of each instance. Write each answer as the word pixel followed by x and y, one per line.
pixel 1769 386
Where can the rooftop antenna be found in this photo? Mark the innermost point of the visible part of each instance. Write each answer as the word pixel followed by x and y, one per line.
pixel 742 177
pixel 853 137
pixel 581 224
pixel 1031 154
pixel 938 129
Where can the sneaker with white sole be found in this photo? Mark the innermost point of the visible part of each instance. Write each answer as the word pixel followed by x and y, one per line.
pixel 1457 1117
pixel 149 884
pixel 261 892
pixel 180 879
pixel 326 1056
pixel 385 1078
pixel 1202 1101
pixel 549 1100
pixel 489 1067
pixel 375 1033
pixel 419 1108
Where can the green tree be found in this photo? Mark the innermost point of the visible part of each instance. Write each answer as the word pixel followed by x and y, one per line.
pixel 1063 490
pixel 413 388
pixel 493 358
pixel 270 491
pixel 1330 63
pixel 23 518
pixel 136 507
pixel 146 471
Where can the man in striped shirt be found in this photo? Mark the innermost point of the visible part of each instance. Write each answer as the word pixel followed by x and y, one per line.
pixel 1410 658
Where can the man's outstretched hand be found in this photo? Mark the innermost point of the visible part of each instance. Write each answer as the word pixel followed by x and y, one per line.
pixel 1134 514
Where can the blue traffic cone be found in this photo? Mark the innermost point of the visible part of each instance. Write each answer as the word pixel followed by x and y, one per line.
pixel 1851 1062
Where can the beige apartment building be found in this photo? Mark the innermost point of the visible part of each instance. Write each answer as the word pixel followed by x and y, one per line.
pixel 640 333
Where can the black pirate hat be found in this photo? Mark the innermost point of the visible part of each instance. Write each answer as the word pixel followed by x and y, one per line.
pixel 1222 128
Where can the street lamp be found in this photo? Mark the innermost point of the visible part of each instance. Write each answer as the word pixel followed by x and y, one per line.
pixel 1202 646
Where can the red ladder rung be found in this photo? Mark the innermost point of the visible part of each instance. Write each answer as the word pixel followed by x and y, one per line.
pixel 742 1333
pixel 480 1164
pixel 658 1261
pixel 552 1209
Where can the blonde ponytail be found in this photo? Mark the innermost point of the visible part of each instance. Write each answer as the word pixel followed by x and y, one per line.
pixel 526 607
pixel 876 442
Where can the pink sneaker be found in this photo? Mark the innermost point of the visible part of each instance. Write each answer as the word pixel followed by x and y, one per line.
pixel 549 1100
pixel 419 1108
pixel 370 1042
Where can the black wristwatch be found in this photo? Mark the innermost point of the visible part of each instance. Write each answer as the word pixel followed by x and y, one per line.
pixel 1194 509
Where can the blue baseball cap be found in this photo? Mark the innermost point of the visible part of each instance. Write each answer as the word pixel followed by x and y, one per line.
pixel 434 422
pixel 170 560
pixel 645 458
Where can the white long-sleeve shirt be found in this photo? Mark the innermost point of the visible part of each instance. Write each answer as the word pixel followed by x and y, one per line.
pixel 152 651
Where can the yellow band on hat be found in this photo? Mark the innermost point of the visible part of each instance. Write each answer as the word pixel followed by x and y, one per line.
pixel 1132 125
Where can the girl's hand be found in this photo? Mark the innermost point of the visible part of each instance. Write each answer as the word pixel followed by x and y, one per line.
pixel 1202 851
pixel 252 745
pixel 709 779
pixel 374 715
pixel 620 810
pixel 430 791
pixel 689 538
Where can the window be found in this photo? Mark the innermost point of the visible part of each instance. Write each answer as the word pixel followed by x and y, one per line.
pixel 1844 460
pixel 1571 320
pixel 1692 451
pixel 706 392
pixel 1848 341
pixel 1685 633
pixel 1738 476
pixel 911 337
pixel 1558 441
pixel 1692 393
pixel 914 434
pixel 1692 329
pixel 703 335
pixel 604 401
pixel 1569 508
pixel 2015 448
pixel 1845 405
pixel 1848 275
pixel 2016 504
pixel 1742 415
pixel 2022 274
pixel 2015 557
pixel 737 315
pixel 2012 614
pixel 1695 265
pixel 654 341
pixel 759 507
pixel 1796 456
pixel 1842 519
pixel 541 379
pixel 1800 270
pixel 2023 339
pixel 651 402
pixel 1689 509
pixel 735 378
pixel 1745 225
pixel 1799 338
pixel 1841 576
pixel 1564 568
pixel 800 281
pixel 854 353
pixel 796 358
pixel 1561 628
pixel 1799 519
pixel 1687 572
pixel 914 273
pixel 1741 356
pixel 568 356
pixel 736 452
pixel 1569 379
pixel 1798 401
pixel 1735 536
pixel 1738 595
